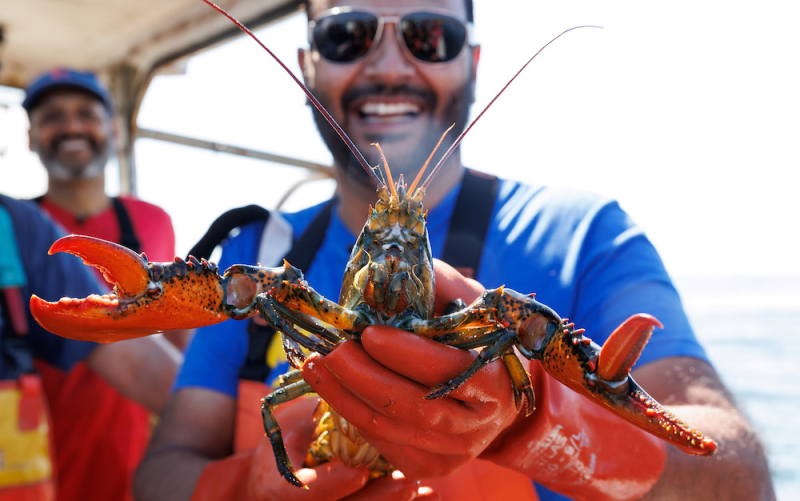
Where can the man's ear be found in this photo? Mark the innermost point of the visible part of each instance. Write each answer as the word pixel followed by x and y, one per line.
pixel 304 59
pixel 476 56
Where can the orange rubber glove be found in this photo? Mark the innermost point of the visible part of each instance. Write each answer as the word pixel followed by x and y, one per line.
pixel 253 476
pixel 569 444
pixel 573 446
pixel 380 389
pixel 380 384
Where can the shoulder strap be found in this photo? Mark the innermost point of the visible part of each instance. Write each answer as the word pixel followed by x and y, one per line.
pixel 472 214
pixel 223 225
pixel 300 255
pixel 16 353
pixel 127 237
pixel 305 248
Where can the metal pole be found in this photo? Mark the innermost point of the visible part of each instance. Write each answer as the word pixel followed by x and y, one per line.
pixel 234 150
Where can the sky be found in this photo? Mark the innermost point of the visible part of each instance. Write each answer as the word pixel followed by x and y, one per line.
pixel 685 112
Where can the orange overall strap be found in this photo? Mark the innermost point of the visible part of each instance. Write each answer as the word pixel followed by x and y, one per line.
pixel 249 425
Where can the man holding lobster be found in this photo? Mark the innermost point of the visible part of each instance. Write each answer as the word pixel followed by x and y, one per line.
pixel 580 253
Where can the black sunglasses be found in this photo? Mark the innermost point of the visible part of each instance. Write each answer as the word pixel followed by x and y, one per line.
pixel 344 36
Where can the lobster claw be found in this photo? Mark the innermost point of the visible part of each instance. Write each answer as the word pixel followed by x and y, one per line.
pixel 147 297
pixel 603 375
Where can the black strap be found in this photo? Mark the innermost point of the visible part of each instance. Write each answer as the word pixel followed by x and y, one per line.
pixel 16 352
pixel 300 255
pixel 223 225
pixel 470 222
pixel 255 366
pixel 127 237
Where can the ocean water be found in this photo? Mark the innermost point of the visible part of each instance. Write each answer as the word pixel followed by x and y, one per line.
pixel 750 328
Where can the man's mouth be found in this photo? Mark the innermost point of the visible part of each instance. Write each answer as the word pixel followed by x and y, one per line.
pixel 73 145
pixel 389 111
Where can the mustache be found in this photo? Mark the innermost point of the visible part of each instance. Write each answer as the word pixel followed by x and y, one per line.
pixel 354 93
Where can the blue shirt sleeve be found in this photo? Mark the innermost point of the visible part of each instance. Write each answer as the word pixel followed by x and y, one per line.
pixel 619 273
pixel 583 256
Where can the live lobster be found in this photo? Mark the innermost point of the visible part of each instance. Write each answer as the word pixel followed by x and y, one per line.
pixel 388 280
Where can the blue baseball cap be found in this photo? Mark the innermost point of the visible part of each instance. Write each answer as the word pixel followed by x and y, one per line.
pixel 65 78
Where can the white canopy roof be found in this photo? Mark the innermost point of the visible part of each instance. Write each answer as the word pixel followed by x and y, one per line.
pixel 107 35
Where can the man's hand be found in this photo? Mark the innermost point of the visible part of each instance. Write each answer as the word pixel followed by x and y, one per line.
pixel 253 475
pixel 380 385
pixel 331 481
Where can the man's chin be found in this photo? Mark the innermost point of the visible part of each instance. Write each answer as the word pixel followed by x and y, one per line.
pixel 62 172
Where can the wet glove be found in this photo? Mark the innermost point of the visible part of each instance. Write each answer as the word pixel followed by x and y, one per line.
pixel 577 448
pixel 372 387
pixel 253 476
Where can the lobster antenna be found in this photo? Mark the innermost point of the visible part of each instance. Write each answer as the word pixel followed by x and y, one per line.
pixel 419 174
pixel 389 179
pixel 459 138
pixel 308 93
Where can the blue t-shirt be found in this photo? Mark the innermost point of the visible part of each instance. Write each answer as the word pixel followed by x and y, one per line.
pixel 50 278
pixel 580 253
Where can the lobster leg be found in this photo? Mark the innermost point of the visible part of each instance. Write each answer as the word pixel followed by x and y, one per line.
pixel 328 336
pixel 522 382
pixel 600 374
pixel 496 350
pixel 267 307
pixel 282 395
pixel 292 376
pixel 297 296
pixel 471 321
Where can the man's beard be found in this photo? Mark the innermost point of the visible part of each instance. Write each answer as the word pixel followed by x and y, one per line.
pixel 61 172
pixel 455 111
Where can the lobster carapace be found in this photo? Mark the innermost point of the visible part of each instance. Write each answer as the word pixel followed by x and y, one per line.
pixel 388 280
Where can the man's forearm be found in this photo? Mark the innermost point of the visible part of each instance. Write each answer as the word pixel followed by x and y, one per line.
pixel 691 389
pixel 737 471
pixel 141 369
pixel 168 474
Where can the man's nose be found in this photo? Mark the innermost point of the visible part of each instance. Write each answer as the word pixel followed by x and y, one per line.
pixel 388 62
pixel 72 123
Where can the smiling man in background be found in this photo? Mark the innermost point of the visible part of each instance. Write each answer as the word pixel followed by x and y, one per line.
pixel 73 130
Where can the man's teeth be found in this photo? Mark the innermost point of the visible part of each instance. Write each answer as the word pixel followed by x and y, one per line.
pixel 73 144
pixel 386 109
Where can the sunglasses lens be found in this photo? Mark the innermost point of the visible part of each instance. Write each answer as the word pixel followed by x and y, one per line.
pixel 345 37
pixel 433 38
